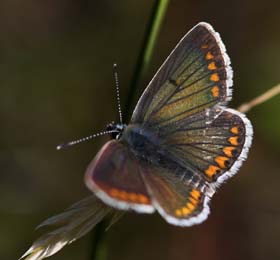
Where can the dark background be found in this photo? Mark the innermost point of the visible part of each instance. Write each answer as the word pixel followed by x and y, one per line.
pixel 56 85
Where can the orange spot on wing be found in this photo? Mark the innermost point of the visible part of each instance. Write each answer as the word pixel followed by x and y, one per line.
pixel 127 196
pixel 193 201
pixel 123 195
pixel 212 170
pixel 195 194
pixel 234 130
pixel 114 192
pixel 143 199
pixel 178 213
pixel 220 160
pixel 215 91
pixel 209 56
pixel 215 77
pixel 212 66
pixel 133 197
pixel 186 211
pixel 228 151
pixel 190 206
pixel 233 140
pixel 204 46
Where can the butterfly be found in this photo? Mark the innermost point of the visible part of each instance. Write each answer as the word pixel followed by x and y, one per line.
pixel 182 141
pixel 180 145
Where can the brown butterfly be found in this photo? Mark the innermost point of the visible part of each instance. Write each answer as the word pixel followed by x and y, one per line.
pixel 181 143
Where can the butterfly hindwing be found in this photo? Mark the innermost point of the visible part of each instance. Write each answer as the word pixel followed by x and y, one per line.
pixel 212 145
pixel 196 75
pixel 114 176
pixel 178 203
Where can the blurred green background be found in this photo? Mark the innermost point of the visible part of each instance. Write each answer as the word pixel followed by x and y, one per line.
pixel 56 85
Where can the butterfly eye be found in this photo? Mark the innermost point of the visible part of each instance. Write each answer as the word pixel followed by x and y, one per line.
pixel 115 130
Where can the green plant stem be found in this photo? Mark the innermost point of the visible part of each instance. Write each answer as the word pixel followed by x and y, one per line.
pixel 144 58
pixel 146 51
pixel 98 237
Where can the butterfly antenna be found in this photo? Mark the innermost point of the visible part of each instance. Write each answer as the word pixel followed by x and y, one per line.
pixel 118 91
pixel 84 139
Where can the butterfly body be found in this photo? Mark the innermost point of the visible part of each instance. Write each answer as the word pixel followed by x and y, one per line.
pixel 144 143
pixel 182 141
pixel 181 144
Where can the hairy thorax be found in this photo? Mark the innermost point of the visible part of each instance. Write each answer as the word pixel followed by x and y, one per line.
pixel 144 143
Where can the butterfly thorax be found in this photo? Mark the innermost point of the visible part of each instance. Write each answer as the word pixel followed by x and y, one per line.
pixel 144 143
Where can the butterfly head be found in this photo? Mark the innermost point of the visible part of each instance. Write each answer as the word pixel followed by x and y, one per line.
pixel 116 129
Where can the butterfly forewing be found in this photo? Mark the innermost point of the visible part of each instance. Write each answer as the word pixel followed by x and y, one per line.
pixel 114 176
pixel 197 75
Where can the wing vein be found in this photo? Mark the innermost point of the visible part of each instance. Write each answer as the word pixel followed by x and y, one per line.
pixel 185 111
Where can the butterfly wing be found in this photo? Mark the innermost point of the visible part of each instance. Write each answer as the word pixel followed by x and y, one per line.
pixel 212 144
pixel 184 105
pixel 205 141
pixel 178 203
pixel 195 76
pixel 114 177
pixel 207 148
